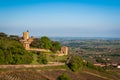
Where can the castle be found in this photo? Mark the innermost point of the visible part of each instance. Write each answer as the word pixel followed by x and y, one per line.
pixel 26 41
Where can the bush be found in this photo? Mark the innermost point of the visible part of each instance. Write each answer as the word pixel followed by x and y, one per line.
pixel 45 43
pixel 42 58
pixel 64 76
pixel 75 63
pixel 55 46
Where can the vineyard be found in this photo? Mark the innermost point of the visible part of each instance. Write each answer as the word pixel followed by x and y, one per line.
pixel 22 75
pixel 52 74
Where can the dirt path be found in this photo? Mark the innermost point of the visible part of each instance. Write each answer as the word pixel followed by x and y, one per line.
pixel 30 66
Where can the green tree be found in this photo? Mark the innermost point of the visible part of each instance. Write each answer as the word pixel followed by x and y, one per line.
pixel 45 43
pixel 55 46
pixel 64 76
pixel 75 63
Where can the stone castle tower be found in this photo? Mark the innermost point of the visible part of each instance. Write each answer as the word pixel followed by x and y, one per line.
pixel 26 41
pixel 26 35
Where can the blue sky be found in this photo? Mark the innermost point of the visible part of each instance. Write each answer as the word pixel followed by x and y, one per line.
pixel 72 18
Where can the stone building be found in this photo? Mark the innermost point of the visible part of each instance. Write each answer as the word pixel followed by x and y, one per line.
pixel 26 35
pixel 64 50
pixel 26 41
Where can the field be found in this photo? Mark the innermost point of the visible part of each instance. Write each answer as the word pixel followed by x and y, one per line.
pixel 51 73
pixel 95 50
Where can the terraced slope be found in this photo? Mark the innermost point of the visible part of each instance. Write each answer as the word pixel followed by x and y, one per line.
pixel 51 74
pixel 22 75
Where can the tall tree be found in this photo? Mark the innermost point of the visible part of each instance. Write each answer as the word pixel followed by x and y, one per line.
pixel 45 42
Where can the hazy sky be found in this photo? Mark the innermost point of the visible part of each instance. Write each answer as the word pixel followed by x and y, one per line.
pixel 75 18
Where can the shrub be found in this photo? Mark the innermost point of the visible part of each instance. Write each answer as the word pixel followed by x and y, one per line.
pixel 64 76
pixel 42 58
pixel 13 52
pixel 75 63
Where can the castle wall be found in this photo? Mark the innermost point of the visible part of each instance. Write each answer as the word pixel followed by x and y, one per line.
pixel 64 50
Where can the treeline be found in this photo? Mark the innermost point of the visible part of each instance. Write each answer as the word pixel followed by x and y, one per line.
pixel 12 51
pixel 45 43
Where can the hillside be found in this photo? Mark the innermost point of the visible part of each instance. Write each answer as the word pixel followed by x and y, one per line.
pixel 50 66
